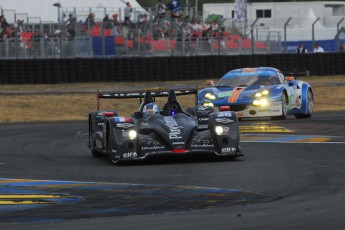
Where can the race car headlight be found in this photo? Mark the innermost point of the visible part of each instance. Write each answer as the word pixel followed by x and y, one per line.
pixel 208 104
pixel 257 95
pixel 265 92
pixel 210 96
pixel 260 102
pixel 219 130
pixel 261 94
pixel 132 134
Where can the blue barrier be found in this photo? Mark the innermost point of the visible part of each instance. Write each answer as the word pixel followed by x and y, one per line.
pixel 327 45
pixel 108 48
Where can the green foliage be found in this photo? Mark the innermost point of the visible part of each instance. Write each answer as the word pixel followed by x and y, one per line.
pixel 152 3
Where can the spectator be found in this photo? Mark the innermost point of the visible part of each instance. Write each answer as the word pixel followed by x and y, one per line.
pixel 18 26
pixel 301 49
pixel 160 10
pixel 5 27
pixel 35 42
pixel 318 48
pixel 196 28
pixel 107 23
pixel 128 13
pixel 342 47
pixel 143 22
pixel 214 28
pixel 71 25
pixel 116 20
pixel 116 25
pixel 90 21
pixel 158 32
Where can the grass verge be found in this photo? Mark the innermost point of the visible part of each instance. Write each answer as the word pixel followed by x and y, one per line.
pixel 73 106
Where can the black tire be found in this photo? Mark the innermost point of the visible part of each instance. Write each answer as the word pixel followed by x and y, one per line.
pixel 310 106
pixel 284 109
pixel 110 154
pixel 94 153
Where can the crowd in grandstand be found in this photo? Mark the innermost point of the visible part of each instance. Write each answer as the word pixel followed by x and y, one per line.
pixel 146 28
pixel 176 26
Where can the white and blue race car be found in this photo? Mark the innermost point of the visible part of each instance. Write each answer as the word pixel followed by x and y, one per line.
pixel 260 92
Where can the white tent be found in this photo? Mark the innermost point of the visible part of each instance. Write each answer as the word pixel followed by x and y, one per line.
pixel 309 19
pixel 47 12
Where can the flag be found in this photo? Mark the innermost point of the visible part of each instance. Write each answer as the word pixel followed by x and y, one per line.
pixel 174 5
pixel 240 10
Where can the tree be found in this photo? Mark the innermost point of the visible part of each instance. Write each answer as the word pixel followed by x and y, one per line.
pixel 152 3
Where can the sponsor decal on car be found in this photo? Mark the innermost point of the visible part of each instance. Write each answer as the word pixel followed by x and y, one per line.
pixel 202 108
pixel 178 143
pixel 124 125
pixel 224 120
pixel 203 118
pixel 152 147
pixel 229 150
pixel 203 146
pixel 122 119
pixel 143 123
pixel 99 144
pixel 224 94
pixel 175 129
pixel 236 93
pixel 130 155
pixel 224 114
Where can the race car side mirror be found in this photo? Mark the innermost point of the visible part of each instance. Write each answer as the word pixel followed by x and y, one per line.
pixel 290 78
pixel 209 82
pixel 137 115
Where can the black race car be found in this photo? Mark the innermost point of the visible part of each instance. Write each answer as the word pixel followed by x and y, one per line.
pixel 169 131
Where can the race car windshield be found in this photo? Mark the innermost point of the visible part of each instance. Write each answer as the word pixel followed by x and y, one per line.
pixel 244 81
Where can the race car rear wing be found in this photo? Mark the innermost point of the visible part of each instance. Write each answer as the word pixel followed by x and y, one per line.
pixel 296 73
pixel 141 93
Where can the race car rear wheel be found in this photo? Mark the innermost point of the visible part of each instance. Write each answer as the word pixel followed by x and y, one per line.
pixel 284 109
pixel 310 106
pixel 94 153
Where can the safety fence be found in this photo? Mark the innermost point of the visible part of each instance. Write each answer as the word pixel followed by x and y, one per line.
pixel 91 32
pixel 101 31
pixel 95 46
pixel 73 70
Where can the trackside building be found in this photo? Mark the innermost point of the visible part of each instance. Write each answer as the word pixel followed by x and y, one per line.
pixel 294 21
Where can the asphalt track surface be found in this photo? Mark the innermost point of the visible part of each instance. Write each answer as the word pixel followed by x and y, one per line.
pixel 291 177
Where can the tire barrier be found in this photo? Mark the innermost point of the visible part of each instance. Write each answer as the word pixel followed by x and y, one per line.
pixel 130 69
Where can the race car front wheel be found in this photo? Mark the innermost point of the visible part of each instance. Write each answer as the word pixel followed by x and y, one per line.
pixel 110 153
pixel 284 109
pixel 309 106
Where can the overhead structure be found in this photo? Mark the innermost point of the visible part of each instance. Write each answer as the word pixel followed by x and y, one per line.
pixel 46 9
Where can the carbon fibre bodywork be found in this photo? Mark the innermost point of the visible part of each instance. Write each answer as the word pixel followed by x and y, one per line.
pixel 172 132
